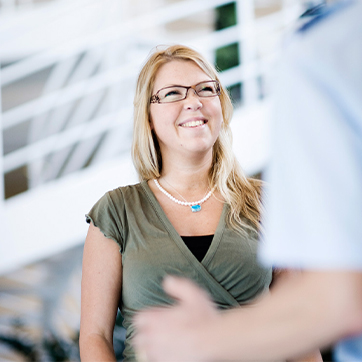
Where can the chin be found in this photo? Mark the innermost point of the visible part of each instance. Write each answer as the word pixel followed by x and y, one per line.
pixel 201 149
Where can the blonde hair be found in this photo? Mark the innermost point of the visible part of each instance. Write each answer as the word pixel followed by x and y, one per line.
pixel 241 193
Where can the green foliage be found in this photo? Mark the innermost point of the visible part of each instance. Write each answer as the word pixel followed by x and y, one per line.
pixel 236 93
pixel 24 347
pixel 225 16
pixel 51 348
pixel 59 349
pixel 227 57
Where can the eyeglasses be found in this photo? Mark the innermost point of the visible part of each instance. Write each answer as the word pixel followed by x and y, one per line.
pixel 210 88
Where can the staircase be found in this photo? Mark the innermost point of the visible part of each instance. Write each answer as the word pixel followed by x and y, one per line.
pixel 68 72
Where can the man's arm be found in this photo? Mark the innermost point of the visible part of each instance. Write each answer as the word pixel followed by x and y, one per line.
pixel 308 311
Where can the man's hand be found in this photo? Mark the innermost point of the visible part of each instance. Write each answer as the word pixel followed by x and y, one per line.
pixel 178 333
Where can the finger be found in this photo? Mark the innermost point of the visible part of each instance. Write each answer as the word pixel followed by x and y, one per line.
pixel 146 317
pixel 184 290
pixel 141 355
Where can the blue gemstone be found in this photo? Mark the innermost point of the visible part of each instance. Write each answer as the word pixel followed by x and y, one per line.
pixel 195 208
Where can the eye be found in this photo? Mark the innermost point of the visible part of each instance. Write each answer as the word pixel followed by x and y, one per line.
pixel 172 92
pixel 206 89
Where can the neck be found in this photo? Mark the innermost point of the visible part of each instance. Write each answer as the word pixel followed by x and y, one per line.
pixel 187 177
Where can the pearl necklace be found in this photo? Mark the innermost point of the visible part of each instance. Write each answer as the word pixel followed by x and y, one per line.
pixel 195 205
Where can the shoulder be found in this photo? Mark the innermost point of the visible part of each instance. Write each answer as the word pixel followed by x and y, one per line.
pixel 116 200
pixel 327 50
pixel 126 192
pixel 331 33
pixel 128 198
pixel 339 14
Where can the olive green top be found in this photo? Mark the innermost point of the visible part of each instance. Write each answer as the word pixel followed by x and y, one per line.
pixel 152 248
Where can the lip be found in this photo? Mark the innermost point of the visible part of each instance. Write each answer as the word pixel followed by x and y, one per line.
pixel 193 119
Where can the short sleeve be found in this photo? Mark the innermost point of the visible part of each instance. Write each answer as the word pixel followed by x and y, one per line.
pixel 104 215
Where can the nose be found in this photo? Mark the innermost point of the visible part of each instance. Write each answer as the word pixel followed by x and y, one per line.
pixel 192 101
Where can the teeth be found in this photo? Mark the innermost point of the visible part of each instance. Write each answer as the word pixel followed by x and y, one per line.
pixel 193 124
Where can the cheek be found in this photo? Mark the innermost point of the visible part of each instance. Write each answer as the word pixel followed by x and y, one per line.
pixel 154 120
pixel 158 117
pixel 218 113
pixel 216 107
pixel 220 122
pixel 163 115
pixel 154 117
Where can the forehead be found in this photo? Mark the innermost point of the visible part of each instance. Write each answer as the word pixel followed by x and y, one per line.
pixel 179 72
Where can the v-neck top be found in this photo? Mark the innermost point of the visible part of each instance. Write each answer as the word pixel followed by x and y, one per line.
pixel 151 249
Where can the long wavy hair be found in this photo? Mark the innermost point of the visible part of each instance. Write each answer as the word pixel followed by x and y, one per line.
pixel 243 194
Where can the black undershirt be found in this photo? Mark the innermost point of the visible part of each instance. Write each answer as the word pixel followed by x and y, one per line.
pixel 198 245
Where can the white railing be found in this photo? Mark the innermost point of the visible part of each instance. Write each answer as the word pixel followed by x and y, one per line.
pixel 84 112
pixel 83 88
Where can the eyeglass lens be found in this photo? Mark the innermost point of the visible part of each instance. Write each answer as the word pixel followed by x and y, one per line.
pixel 177 93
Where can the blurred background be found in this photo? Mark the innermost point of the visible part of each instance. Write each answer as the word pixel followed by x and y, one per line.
pixel 68 73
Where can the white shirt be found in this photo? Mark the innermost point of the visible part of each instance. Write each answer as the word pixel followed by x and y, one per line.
pixel 314 217
pixel 314 210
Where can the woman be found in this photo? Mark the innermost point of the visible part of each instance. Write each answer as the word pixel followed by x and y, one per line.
pixel 193 214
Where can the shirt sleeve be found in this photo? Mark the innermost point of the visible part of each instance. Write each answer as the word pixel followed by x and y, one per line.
pixel 314 213
pixel 105 216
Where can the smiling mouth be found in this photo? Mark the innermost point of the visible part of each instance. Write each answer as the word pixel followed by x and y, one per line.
pixel 194 123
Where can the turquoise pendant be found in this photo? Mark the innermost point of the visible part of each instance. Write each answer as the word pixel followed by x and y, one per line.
pixel 195 208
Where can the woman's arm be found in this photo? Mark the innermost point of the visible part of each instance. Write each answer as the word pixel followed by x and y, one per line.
pixel 101 288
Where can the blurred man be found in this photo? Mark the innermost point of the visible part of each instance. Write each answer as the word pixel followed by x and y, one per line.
pixel 313 223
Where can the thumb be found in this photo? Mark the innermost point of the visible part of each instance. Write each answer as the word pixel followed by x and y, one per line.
pixel 184 290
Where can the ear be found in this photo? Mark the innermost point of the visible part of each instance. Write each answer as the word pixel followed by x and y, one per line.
pixel 151 123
